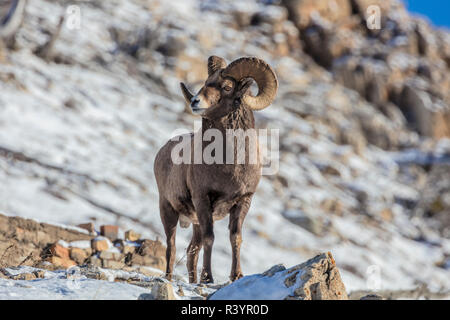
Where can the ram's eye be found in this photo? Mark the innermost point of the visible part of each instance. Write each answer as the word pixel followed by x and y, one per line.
pixel 227 88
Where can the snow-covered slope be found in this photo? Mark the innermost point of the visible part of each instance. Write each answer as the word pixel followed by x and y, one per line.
pixel 78 139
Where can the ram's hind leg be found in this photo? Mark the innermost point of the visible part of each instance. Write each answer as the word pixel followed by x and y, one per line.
pixel 192 253
pixel 206 223
pixel 169 218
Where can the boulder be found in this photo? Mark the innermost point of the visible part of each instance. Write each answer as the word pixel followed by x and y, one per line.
pixel 109 231
pixel 148 261
pixel 153 248
pixel 161 290
pixel 78 255
pixel 88 227
pixel 59 251
pixel 320 280
pixel 100 244
pixel 303 11
pixel 64 263
pixel 426 115
pixel 313 224
pixel 315 279
pixel 131 235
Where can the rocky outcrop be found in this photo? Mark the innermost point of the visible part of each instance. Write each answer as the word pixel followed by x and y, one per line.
pixel 320 280
pixel 161 290
pixel 387 66
pixel 26 242
pixel 315 279
pixel 23 240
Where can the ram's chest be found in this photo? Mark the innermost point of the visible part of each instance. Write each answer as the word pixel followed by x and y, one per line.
pixel 223 185
pixel 229 179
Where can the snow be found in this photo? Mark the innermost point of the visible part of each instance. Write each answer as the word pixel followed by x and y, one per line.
pixel 66 289
pixel 258 287
pixel 71 284
pixel 82 244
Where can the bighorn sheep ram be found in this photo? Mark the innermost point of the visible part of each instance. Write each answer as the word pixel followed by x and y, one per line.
pixel 202 193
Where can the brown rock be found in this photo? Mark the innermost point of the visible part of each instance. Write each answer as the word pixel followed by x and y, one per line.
pixel 163 291
pixel 320 280
pixel 19 234
pixel 301 11
pixel 386 214
pixel 22 241
pixel 78 255
pixel 94 261
pixel 426 116
pixel 46 265
pixel 61 262
pixel 147 272
pixel 94 272
pixel 315 279
pixel 128 249
pixel 148 261
pixel 153 248
pixel 109 231
pixel 87 226
pixel 180 291
pixel 24 276
pixel 14 253
pixel 200 292
pixel 132 236
pixel 43 238
pixel 40 274
pixel 111 264
pixel 59 251
pixel 107 255
pixel 99 245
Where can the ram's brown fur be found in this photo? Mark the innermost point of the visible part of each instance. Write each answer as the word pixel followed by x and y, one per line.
pixel 202 193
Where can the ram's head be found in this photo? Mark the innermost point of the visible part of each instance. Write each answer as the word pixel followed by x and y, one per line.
pixel 227 87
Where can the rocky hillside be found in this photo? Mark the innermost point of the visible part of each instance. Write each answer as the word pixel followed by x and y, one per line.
pixel 363 118
pixel 84 262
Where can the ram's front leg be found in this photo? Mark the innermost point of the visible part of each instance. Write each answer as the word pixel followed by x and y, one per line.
pixel 192 253
pixel 205 219
pixel 237 216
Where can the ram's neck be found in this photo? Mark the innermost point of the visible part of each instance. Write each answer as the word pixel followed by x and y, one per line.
pixel 239 124
pixel 241 118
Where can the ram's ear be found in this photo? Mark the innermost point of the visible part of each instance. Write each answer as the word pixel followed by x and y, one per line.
pixel 243 86
pixel 186 93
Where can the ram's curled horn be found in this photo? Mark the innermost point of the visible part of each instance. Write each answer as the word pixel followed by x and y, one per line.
pixel 11 16
pixel 186 94
pixel 215 63
pixel 262 73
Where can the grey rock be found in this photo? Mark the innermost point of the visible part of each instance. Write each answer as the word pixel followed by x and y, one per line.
pixel 372 297
pixel 163 291
pixel 316 279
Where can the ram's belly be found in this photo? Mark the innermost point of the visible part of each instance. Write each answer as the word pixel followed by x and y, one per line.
pixel 220 211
